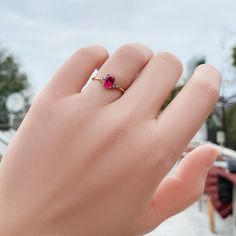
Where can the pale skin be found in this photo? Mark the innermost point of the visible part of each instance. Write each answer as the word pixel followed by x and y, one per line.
pixel 95 162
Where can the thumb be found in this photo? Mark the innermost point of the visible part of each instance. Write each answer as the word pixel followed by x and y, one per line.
pixel 177 192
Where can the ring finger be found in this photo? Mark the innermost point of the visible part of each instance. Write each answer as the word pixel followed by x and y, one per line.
pixel 124 65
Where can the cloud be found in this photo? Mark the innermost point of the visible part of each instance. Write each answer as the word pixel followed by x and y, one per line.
pixel 44 33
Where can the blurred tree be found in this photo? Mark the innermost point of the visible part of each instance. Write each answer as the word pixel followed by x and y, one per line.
pixel 12 80
pixel 234 56
pixel 223 118
pixel 230 114
pixel 172 95
pixel 214 124
pixel 231 126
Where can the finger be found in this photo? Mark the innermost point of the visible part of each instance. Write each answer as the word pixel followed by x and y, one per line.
pixel 177 192
pixel 186 113
pixel 154 84
pixel 124 65
pixel 74 74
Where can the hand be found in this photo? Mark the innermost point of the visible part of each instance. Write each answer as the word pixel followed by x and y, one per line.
pixel 94 162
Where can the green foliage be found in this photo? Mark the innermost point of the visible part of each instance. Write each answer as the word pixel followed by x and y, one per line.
pixel 214 124
pixel 234 56
pixel 172 95
pixel 11 80
pixel 224 119
pixel 231 126
pixel 231 114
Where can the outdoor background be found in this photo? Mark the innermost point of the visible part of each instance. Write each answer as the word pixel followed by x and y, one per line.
pixel 36 37
pixel 42 34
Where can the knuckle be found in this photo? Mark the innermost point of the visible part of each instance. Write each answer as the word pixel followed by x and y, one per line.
pixel 135 51
pixel 171 59
pixel 45 108
pixel 92 52
pixel 85 52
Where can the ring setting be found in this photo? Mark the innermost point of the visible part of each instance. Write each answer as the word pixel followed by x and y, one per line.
pixel 109 82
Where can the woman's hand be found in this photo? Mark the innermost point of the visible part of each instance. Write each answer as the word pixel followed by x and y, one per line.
pixel 94 162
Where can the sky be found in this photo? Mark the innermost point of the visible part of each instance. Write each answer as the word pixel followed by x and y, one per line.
pixel 43 34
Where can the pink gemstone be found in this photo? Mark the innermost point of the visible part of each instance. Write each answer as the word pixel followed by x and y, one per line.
pixel 109 81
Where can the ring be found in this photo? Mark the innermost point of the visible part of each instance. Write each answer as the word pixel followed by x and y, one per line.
pixel 109 82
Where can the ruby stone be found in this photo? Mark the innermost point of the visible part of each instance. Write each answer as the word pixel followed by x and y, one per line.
pixel 109 81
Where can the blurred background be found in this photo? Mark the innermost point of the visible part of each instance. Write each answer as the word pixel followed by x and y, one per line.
pixel 37 37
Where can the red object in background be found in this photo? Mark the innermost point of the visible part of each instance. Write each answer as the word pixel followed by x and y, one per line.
pixel 212 189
